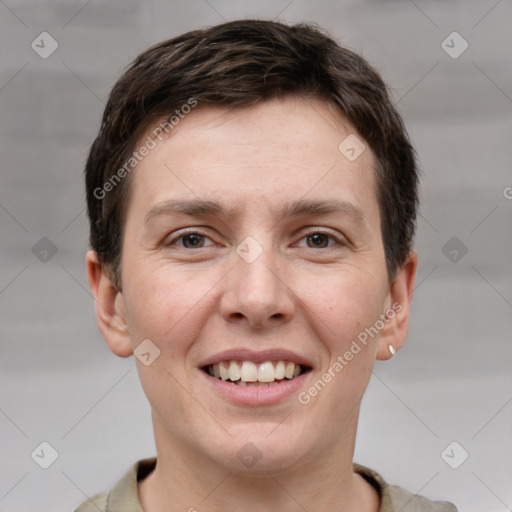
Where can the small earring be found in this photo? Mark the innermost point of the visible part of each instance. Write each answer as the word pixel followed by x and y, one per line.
pixel 392 350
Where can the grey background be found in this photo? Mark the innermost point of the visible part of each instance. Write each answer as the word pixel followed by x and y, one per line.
pixel 452 380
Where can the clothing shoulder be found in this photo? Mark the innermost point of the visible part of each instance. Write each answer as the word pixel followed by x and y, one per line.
pixel 97 503
pixel 107 502
pixel 124 496
pixel 407 502
pixel 396 499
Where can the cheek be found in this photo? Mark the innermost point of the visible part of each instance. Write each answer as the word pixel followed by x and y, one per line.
pixel 165 308
pixel 340 310
pixel 157 303
pixel 170 311
pixel 342 304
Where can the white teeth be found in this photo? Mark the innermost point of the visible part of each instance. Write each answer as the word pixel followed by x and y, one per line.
pixel 266 372
pixel 248 373
pixel 234 371
pixel 279 371
pixel 289 371
pixel 223 372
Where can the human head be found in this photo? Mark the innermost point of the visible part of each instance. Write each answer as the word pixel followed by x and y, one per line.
pixel 270 170
pixel 235 65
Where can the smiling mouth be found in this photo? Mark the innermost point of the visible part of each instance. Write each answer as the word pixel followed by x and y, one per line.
pixel 250 374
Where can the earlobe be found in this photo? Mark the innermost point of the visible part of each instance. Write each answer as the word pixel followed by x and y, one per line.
pixel 110 308
pixel 400 295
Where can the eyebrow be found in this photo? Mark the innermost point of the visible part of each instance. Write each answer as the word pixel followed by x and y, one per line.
pixel 298 208
pixel 310 207
pixel 196 207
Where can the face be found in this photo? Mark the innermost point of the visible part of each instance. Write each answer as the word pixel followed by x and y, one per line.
pixel 253 252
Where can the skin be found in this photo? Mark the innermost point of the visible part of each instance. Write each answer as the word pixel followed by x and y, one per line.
pixel 298 294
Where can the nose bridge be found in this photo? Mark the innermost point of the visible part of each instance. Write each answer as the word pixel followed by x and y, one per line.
pixel 258 278
pixel 256 290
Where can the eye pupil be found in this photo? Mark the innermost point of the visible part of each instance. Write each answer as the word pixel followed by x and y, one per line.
pixel 319 240
pixel 193 240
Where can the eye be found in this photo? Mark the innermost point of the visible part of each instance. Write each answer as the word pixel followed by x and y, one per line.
pixel 320 240
pixel 190 240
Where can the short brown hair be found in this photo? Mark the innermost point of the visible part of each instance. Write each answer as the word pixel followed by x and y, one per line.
pixel 239 64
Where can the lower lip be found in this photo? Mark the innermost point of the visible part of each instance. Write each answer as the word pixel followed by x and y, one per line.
pixel 252 395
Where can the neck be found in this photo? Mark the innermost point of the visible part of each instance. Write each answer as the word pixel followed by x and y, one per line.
pixel 325 482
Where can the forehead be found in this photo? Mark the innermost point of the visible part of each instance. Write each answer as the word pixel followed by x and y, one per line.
pixel 272 153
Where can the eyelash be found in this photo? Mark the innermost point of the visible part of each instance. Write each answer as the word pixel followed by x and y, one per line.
pixel 183 234
pixel 326 232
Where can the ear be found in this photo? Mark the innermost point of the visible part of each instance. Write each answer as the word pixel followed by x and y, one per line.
pixel 398 304
pixel 110 310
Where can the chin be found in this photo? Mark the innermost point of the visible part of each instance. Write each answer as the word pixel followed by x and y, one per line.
pixel 258 450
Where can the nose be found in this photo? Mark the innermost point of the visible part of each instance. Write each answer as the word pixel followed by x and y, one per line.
pixel 257 292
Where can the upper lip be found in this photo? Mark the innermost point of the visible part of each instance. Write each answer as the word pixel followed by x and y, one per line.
pixel 260 356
